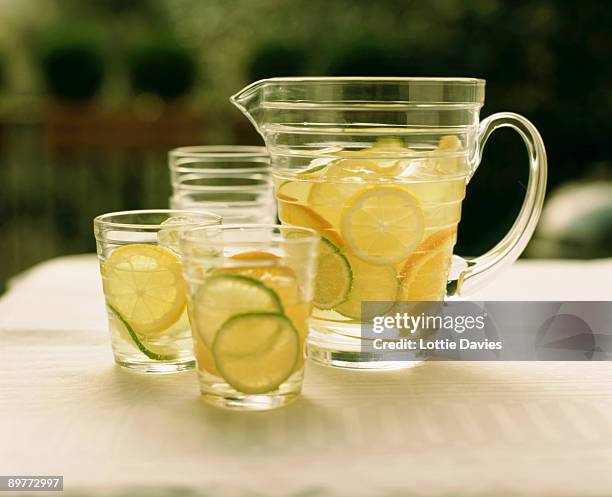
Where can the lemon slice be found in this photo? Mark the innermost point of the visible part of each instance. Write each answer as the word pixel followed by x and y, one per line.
pixel 370 283
pixel 256 352
pixel 297 188
pixel 382 157
pixel 327 198
pixel 293 191
pixel 424 273
pixel 347 168
pixel 334 276
pixel 144 285
pixel 255 255
pixel 281 278
pixel 224 295
pixel 300 215
pixel 451 162
pixel 382 225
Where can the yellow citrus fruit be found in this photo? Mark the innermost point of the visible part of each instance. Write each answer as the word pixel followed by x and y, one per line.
pixel 145 285
pixel 424 273
pixel 293 191
pixel 450 162
pixel 280 278
pixel 329 198
pixel 300 215
pixel 255 255
pixel 382 225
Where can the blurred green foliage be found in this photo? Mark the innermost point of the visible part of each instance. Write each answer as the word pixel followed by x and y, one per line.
pixel 72 64
pixel 274 58
pixel 364 56
pixel 162 67
pixel 546 59
pixel 2 71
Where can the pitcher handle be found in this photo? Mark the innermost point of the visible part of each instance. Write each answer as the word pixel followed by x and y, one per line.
pixel 477 271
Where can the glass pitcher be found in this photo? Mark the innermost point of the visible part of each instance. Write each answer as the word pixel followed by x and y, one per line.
pixel 379 167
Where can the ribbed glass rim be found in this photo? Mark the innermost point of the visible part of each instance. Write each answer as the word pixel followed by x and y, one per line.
pixel 222 152
pixel 313 90
pixel 104 220
pixel 380 79
pixel 182 189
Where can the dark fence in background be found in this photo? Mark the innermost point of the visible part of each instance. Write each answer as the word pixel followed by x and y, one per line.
pixel 48 200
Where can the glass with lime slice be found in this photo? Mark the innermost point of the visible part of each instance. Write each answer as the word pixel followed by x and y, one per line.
pixel 250 295
pixel 144 287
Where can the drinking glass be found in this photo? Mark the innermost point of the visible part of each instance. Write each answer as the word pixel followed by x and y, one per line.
pixel 232 181
pixel 144 288
pixel 250 295
pixel 379 167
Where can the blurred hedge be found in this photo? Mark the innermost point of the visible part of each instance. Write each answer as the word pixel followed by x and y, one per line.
pixel 162 67
pixel 72 64
pixel 2 71
pixel 275 58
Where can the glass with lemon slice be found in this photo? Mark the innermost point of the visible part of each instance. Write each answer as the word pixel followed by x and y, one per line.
pixel 250 297
pixel 144 287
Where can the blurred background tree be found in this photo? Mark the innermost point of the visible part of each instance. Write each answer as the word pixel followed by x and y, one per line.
pixel 72 64
pixel 275 58
pixel 546 59
pixel 163 68
pixel 2 71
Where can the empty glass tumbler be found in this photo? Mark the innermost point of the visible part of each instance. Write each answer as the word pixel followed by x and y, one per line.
pixel 232 181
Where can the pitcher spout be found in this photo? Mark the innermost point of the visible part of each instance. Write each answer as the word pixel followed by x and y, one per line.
pixel 248 100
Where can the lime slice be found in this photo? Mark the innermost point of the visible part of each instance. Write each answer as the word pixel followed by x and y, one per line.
pixel 144 284
pixel 224 295
pixel 256 352
pixel 334 276
pixel 382 225
pixel 154 355
pixel 370 283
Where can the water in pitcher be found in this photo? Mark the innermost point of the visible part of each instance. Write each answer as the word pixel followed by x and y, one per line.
pixel 388 228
